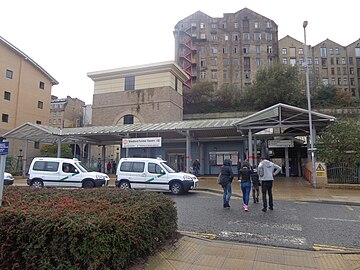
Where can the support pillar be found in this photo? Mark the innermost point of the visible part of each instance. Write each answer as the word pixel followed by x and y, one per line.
pixel 287 171
pixel 24 161
pixel 250 149
pixel 202 159
pixel 59 148
pixel 103 155
pixel 188 151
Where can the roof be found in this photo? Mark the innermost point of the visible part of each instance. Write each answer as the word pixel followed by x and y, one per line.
pixel 289 119
pixel 27 58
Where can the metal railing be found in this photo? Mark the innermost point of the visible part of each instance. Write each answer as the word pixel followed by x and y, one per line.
pixel 341 174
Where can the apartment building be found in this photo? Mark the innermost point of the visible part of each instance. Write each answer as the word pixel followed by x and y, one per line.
pixel 329 62
pixel 226 50
pixel 26 93
pixel 66 112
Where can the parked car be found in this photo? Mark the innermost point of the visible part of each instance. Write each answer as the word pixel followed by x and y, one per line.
pixel 152 173
pixel 8 179
pixel 63 172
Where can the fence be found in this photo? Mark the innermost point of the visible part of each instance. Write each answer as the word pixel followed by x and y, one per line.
pixel 341 174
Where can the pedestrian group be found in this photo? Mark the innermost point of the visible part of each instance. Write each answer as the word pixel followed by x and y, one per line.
pixel 250 179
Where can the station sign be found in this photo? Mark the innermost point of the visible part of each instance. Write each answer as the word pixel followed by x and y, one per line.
pixel 141 142
pixel 280 143
pixel 4 148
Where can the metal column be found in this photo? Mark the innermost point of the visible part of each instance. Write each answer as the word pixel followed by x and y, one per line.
pixel 188 151
pixel 202 159
pixel 24 161
pixel 103 155
pixel 287 171
pixel 250 151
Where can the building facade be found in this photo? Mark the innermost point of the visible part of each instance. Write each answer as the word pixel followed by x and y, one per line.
pixel 66 112
pixel 329 62
pixel 227 50
pixel 26 93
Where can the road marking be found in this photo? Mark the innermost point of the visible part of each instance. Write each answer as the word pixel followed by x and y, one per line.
pixel 203 235
pixel 300 241
pixel 288 227
pixel 338 219
pixel 350 208
pixel 319 247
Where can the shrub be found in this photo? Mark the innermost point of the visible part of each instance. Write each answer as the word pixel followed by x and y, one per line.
pixel 81 229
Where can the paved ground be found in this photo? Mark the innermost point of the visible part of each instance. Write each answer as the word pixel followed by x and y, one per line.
pixel 198 252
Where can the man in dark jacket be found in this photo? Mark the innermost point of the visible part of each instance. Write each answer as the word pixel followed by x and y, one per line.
pixel 226 178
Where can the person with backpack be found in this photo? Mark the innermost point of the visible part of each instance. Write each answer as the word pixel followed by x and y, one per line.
pixel 226 176
pixel 255 186
pixel 267 170
pixel 244 177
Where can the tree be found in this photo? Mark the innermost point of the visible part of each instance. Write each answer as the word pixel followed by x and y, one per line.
pixel 199 97
pixel 276 84
pixel 228 97
pixel 340 143
pixel 50 150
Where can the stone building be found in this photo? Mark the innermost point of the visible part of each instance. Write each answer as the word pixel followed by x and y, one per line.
pixel 226 50
pixel 26 93
pixel 66 112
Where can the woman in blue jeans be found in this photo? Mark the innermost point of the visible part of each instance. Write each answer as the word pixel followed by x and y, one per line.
pixel 226 177
pixel 244 176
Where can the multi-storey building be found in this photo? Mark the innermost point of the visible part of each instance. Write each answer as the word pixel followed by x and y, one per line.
pixel 227 50
pixel 66 112
pixel 26 93
pixel 329 62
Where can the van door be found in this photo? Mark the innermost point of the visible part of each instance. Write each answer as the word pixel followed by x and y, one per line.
pixel 134 172
pixel 69 176
pixel 48 171
pixel 156 177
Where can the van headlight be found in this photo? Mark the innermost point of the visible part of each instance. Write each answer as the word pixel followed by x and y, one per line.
pixel 99 176
pixel 187 177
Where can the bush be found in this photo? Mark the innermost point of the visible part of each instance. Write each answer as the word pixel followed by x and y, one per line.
pixel 81 229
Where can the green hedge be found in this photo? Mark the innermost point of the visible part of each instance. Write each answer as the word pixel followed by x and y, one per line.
pixel 103 228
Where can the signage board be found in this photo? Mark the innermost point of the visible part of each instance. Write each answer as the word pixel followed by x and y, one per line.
pixel 4 148
pixel 141 142
pixel 280 143
pixel 320 169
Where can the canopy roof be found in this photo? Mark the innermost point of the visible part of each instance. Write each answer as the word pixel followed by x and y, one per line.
pixel 288 119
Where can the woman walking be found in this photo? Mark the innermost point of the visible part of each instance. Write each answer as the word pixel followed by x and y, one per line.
pixel 226 177
pixel 244 176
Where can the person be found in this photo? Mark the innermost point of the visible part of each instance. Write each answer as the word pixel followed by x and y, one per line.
pixel 244 176
pixel 196 167
pixel 267 170
pixel 108 167
pixel 113 165
pixel 255 185
pixel 226 177
pixel 99 165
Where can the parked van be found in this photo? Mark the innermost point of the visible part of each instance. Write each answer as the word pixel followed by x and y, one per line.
pixel 150 173
pixel 63 172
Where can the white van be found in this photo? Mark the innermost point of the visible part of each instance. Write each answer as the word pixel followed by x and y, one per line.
pixel 151 173
pixel 63 172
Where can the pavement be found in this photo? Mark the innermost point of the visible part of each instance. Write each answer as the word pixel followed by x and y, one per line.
pixel 200 251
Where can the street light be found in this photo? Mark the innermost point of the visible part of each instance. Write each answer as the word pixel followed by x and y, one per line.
pixel 312 149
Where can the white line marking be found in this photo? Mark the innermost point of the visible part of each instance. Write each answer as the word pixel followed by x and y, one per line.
pixel 338 219
pixel 289 227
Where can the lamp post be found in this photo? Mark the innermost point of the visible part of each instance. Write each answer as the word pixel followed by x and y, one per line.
pixel 312 149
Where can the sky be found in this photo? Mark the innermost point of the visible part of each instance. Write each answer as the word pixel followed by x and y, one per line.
pixel 70 38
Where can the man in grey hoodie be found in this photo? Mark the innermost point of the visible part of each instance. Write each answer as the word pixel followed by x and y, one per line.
pixel 267 170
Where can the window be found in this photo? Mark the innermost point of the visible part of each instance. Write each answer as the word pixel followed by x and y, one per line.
pixel 337 50
pixel 236 74
pixel 247 75
pixel 351 71
pixel 331 60
pixel 292 61
pixel 202 75
pixel 269 49
pixel 284 50
pixel 130 166
pixel 226 37
pixel 333 81
pixel 338 71
pixel 309 61
pixel 48 166
pixel 331 51
pixel 284 61
pixel 258 62
pixel 332 71
pixel 323 52
pixel 130 83
pixel 301 51
pixel 214 61
pixel 38 122
pixel 337 61
pixel 213 26
pixel 351 61
pixel 357 52
pixel 68 168
pixel 236 25
pixel 235 37
pixel 42 85
pixel 214 50
pixel 339 81
pixel 7 95
pixel 316 60
pixel 256 25
pixel 128 119
pixel 246 25
pixel 214 74
pixel 5 118
pixel 224 25
pixel 343 60
pixel 258 48
pixel 344 71
pixel 235 62
pixel 154 168
pixel 37 146
pixel 202 63
pixel 9 74
pixel 268 24
pixel 246 49
pixel 213 37
pixel 246 36
pixel 202 36
pixel 202 25
pixel 225 50
pixel 247 62
pixel 225 74
pixel 176 84
pixel 345 81
pixel 257 36
pixel 268 36
pixel 40 105
pixel 235 50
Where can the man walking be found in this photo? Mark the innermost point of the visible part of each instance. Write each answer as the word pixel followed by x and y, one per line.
pixel 267 170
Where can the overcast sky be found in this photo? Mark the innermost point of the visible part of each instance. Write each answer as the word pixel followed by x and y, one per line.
pixel 70 38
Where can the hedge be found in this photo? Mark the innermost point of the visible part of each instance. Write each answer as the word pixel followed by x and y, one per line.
pixel 103 228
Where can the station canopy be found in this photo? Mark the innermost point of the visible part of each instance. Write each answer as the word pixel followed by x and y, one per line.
pixel 281 118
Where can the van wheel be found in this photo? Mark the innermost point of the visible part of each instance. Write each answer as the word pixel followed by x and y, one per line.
pixel 37 184
pixel 176 188
pixel 124 185
pixel 88 184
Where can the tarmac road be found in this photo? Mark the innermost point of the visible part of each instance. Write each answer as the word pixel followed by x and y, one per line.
pixel 292 224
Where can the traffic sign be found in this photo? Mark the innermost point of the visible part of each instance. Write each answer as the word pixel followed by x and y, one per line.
pixel 4 148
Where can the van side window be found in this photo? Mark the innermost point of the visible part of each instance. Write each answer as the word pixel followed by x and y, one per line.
pixel 48 166
pixel 154 168
pixel 129 166
pixel 68 168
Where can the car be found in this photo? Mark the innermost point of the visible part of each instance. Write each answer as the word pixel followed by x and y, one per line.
pixel 153 173
pixel 63 172
pixel 8 179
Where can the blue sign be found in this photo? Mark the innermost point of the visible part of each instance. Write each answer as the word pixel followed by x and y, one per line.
pixel 4 148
